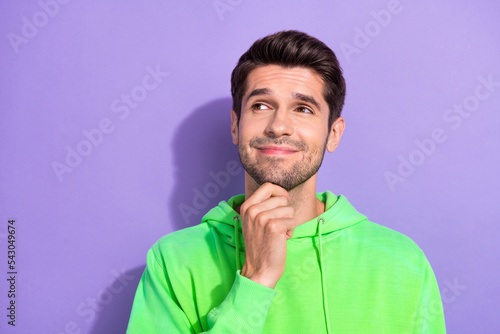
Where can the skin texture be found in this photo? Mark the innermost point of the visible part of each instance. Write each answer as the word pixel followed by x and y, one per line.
pixel 281 136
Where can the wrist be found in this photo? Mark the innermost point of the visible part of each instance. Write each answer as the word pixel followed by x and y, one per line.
pixel 262 279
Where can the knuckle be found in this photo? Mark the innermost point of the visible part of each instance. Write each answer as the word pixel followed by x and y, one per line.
pixel 243 207
pixel 261 218
pixel 273 226
pixel 270 186
pixel 265 186
pixel 252 212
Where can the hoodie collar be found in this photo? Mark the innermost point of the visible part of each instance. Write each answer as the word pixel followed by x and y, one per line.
pixel 339 214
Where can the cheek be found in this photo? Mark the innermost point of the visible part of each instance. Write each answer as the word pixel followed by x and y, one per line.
pixel 313 136
pixel 248 129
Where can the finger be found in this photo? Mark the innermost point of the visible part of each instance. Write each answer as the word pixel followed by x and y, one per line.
pixel 266 191
pixel 276 213
pixel 283 226
pixel 291 224
pixel 266 205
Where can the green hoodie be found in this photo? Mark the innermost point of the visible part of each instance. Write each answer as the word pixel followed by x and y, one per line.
pixel 344 274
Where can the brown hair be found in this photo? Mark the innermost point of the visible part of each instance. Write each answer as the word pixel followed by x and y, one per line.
pixel 292 48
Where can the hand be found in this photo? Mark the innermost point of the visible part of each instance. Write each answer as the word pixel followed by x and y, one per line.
pixel 267 223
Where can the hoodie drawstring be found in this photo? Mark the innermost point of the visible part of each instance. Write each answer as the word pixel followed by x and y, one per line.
pixel 321 221
pixel 236 220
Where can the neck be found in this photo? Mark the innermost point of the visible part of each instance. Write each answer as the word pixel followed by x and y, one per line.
pixel 303 198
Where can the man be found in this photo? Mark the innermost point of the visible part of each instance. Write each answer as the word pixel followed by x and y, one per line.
pixel 281 258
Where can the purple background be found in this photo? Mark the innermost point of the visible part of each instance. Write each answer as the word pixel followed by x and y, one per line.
pixel 82 238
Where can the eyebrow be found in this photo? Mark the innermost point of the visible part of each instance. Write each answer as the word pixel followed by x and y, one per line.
pixel 298 96
pixel 306 98
pixel 259 91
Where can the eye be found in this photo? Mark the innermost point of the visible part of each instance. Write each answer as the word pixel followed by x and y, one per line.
pixel 304 110
pixel 260 106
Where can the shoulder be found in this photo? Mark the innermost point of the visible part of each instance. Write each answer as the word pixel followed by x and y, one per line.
pixel 385 235
pixel 389 244
pixel 183 245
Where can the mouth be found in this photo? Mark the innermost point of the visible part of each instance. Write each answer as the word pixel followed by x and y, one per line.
pixel 277 150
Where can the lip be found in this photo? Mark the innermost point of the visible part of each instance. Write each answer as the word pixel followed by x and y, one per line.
pixel 278 150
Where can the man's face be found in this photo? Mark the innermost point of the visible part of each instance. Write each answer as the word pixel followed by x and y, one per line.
pixel 283 127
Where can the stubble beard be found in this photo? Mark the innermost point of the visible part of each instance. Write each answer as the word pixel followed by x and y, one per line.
pixel 271 168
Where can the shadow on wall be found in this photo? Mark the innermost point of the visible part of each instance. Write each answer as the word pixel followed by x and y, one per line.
pixel 207 166
pixel 113 316
pixel 207 170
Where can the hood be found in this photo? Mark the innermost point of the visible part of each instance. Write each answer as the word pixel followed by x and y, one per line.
pixel 339 214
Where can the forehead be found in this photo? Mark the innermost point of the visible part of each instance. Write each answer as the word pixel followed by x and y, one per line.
pixel 286 81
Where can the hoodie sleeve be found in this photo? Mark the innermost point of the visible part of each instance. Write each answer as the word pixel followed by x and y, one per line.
pixel 430 315
pixel 244 310
pixel 156 309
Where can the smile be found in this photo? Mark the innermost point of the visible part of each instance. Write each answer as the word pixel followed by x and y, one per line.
pixel 277 150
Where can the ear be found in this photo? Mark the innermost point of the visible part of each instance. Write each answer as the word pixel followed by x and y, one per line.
pixel 335 134
pixel 234 127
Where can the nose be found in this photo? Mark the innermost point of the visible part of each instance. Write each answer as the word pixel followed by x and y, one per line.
pixel 279 125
